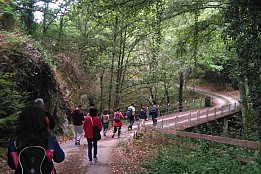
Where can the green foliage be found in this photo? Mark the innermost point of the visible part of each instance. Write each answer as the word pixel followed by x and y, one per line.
pixel 11 101
pixel 197 157
pixel 242 34
pixel 7 122
pixel 7 16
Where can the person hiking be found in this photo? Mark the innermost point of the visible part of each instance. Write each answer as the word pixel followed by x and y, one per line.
pixel 89 123
pixel 33 147
pixel 142 116
pixel 131 115
pixel 39 102
pixel 117 123
pixel 154 114
pixel 105 121
pixel 77 118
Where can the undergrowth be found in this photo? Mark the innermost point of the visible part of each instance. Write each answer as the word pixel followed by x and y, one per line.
pixel 168 154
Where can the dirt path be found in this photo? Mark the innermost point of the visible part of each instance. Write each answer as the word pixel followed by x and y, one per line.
pixel 76 161
pixel 76 156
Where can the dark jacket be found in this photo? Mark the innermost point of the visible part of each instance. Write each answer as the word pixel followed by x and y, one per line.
pixel 143 114
pixel 77 117
pixel 154 112
pixel 53 152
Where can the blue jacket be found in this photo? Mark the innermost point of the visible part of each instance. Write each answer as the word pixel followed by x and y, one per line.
pixel 53 152
pixel 154 112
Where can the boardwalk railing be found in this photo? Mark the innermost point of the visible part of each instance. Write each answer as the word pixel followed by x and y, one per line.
pixel 166 109
pixel 183 120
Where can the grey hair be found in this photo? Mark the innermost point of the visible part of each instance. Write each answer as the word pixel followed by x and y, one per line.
pixel 39 102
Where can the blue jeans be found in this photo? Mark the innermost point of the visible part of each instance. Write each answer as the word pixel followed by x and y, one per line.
pixel 89 141
pixel 154 120
pixel 105 127
pixel 131 122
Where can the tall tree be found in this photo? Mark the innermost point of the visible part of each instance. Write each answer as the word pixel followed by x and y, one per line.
pixel 243 19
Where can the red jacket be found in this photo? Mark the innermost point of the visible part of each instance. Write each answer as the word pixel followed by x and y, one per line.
pixel 117 123
pixel 87 125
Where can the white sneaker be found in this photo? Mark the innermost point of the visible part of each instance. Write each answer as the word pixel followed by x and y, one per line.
pixel 95 160
pixel 90 162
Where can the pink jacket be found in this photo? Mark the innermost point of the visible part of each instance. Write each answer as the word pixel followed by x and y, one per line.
pixel 88 127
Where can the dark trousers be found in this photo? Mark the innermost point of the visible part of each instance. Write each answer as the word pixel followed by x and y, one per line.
pixel 131 122
pixel 90 141
pixel 117 128
pixel 154 120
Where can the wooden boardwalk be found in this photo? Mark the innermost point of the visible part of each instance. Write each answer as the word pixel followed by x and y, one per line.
pixel 176 122
pixel 183 120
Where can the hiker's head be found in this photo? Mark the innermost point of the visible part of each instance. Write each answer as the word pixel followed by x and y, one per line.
pixel 39 102
pixel 132 104
pixel 105 112
pixel 118 109
pixel 93 111
pixel 32 128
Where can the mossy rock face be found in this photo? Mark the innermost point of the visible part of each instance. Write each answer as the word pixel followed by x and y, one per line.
pixel 32 75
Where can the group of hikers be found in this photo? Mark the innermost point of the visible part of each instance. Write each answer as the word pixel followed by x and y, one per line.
pixel 33 148
pixel 79 126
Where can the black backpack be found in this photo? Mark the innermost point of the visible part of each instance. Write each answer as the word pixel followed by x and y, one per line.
pixel 117 117
pixel 33 160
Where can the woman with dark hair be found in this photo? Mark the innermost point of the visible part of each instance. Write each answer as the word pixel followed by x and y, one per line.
pixel 33 130
pixel 89 122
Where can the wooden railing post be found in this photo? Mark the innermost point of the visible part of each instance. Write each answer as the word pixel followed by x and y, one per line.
pixel 198 115
pixel 207 114
pixel 215 112
pixel 190 119
pixel 222 110
pixel 258 151
pixel 225 126
pixel 176 121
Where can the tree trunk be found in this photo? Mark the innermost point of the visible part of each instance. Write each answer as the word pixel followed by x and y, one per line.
pixel 46 7
pixel 112 61
pixel 167 93
pixel 102 87
pixel 120 69
pixel 180 91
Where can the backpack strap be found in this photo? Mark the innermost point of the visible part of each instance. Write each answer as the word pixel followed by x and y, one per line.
pixel 31 159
